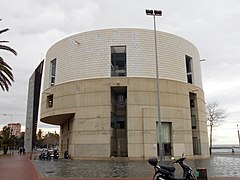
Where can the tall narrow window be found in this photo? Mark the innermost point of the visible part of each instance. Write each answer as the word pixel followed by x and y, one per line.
pixel 118 61
pixel 52 72
pixel 189 69
pixel 196 143
pixel 166 138
pixel 193 109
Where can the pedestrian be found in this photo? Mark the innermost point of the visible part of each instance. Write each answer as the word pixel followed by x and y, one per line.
pixel 23 151
pixel 20 151
pixel 233 152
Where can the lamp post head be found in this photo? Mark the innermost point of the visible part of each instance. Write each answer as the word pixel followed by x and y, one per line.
pixel 149 12
pixel 153 12
pixel 158 12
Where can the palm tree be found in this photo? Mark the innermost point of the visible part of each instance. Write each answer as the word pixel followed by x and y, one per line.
pixel 6 75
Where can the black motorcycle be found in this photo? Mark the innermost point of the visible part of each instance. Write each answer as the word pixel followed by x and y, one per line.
pixel 49 155
pixel 43 156
pixel 66 155
pixel 163 172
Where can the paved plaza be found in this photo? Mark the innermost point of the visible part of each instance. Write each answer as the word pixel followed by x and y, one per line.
pixel 217 166
pixel 15 167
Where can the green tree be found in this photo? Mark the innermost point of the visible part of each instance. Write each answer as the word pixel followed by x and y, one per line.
pixel 10 141
pixel 215 117
pixel 6 139
pixel 6 75
pixel 20 140
pixel 51 140
pixel 39 141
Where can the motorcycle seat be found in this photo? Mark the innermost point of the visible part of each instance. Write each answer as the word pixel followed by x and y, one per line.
pixel 168 168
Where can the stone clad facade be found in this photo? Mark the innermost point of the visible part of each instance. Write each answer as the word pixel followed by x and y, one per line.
pixel 100 88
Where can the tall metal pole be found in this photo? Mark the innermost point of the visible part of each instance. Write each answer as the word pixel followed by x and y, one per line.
pixel 160 145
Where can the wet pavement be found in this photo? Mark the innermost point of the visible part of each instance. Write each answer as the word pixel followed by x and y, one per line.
pixel 217 166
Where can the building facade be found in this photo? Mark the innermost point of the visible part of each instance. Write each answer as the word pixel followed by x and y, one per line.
pixel 34 88
pixel 100 87
pixel 15 129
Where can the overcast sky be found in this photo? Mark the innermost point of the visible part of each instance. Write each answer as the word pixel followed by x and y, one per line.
pixel 211 25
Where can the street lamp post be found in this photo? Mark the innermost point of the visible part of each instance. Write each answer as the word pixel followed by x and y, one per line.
pixel 155 13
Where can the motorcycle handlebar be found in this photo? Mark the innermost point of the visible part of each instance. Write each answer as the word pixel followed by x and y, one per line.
pixel 179 160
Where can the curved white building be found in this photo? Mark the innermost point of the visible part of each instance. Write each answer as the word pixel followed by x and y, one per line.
pixel 100 87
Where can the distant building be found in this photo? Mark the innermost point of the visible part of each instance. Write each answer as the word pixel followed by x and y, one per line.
pixel 15 129
pixel 100 88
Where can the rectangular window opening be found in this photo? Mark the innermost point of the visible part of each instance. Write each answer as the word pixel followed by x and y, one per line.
pixel 52 72
pixel 193 109
pixel 119 141
pixel 166 138
pixel 189 69
pixel 50 101
pixel 118 61
pixel 193 100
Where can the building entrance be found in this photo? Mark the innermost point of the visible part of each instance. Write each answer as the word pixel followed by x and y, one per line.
pixel 119 122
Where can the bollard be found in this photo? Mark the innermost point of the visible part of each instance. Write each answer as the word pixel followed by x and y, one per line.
pixel 201 173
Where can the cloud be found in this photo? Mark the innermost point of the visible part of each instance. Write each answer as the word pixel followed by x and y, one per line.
pixel 39 17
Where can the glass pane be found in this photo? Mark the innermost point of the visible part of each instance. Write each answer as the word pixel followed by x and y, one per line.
pixel 118 61
pixel 166 132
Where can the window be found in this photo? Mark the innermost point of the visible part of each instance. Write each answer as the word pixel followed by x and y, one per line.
pixel 118 107
pixel 192 104
pixel 166 137
pixel 166 132
pixel 193 109
pixel 189 69
pixel 50 101
pixel 52 72
pixel 193 120
pixel 118 61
